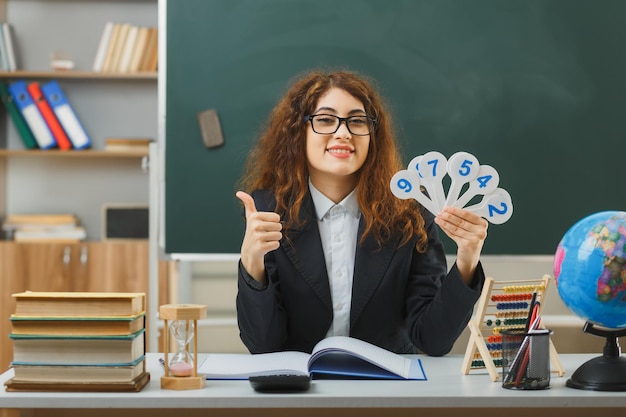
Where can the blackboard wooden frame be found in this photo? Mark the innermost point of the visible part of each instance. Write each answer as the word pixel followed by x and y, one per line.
pixel 535 88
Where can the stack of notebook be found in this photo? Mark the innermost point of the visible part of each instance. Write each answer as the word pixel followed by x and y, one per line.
pixel 78 341
pixel 37 227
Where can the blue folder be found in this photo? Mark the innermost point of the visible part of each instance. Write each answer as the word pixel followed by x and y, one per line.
pixel 67 116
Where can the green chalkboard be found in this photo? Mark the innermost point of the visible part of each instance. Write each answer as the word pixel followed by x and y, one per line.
pixel 534 88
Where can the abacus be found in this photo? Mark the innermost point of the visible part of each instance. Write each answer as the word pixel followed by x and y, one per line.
pixel 503 305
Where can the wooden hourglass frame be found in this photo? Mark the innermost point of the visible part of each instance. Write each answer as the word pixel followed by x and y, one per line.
pixel 190 313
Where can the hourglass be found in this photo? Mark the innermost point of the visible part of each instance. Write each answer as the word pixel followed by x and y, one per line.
pixel 181 371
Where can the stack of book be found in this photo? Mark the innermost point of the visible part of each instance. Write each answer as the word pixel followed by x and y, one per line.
pixel 132 145
pixel 78 341
pixel 126 48
pixel 43 116
pixel 43 228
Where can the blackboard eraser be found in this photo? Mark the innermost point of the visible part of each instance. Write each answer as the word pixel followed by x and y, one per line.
pixel 210 128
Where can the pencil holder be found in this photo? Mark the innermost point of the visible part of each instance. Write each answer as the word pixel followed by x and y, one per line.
pixel 526 359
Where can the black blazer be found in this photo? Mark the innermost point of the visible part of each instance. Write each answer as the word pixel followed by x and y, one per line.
pixel 402 300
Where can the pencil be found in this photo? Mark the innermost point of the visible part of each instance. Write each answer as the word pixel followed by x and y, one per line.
pixel 531 311
pixel 535 320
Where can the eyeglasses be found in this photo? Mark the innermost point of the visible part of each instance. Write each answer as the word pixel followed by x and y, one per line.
pixel 327 124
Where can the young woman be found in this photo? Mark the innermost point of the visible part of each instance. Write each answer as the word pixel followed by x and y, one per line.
pixel 328 250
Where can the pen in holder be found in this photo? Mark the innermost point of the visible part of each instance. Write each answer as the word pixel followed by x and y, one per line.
pixel 526 359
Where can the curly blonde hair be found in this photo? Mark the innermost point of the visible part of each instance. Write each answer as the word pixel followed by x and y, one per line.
pixel 278 161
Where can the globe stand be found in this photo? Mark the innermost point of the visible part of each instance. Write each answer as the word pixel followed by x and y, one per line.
pixel 606 372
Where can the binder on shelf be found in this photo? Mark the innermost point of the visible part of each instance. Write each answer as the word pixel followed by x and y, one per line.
pixel 28 139
pixel 46 111
pixel 8 41
pixel 33 117
pixel 65 113
pixel 103 46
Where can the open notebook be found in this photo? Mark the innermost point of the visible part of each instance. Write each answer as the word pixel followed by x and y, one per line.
pixel 337 357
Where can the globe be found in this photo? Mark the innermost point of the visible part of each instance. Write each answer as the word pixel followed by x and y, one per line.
pixel 590 269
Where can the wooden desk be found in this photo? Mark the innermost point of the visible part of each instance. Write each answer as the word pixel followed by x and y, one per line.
pixel 447 392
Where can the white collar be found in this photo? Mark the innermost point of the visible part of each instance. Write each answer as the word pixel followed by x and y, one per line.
pixel 323 203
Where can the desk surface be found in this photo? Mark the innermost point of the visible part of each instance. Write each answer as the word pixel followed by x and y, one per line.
pixel 446 388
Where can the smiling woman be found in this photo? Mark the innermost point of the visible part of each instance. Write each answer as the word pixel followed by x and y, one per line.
pixel 328 250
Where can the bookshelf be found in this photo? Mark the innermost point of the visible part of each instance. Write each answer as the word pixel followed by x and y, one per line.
pixel 77 181
pixel 108 104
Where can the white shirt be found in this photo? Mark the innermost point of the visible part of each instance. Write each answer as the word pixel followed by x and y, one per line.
pixel 338 225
